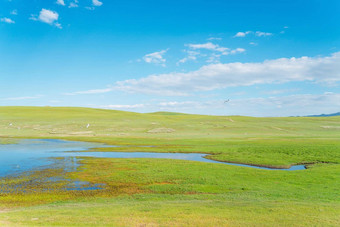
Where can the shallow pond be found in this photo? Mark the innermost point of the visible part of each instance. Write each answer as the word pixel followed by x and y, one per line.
pixel 30 154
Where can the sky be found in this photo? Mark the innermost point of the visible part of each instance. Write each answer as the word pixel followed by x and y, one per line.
pixel 216 57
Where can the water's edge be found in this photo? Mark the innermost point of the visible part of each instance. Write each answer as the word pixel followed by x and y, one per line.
pixel 31 155
pixel 267 167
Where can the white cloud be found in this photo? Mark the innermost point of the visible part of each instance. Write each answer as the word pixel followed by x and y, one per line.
pixel 156 57
pixel 175 105
pixel 259 34
pixel 90 7
pixel 208 46
pixel 14 12
pixel 60 2
pixel 93 91
pixel 214 57
pixel 242 34
pixel 73 4
pixel 58 25
pixel 22 98
pixel 285 28
pixel 292 105
pixel 7 20
pixel 192 56
pixel 47 16
pixel 218 76
pixel 214 38
pixel 123 106
pixel 237 50
pixel 97 3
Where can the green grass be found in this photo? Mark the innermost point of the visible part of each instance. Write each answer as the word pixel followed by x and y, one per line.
pixel 158 192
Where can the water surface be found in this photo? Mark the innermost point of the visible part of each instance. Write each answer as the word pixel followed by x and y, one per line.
pixel 30 154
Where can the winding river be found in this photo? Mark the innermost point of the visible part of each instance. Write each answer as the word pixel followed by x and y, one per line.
pixel 30 154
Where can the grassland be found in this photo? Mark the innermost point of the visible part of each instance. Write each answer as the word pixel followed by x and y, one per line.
pixel 157 192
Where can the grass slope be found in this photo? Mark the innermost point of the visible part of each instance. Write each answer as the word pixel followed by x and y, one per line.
pixel 149 192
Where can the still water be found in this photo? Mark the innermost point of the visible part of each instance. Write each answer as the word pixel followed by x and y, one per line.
pixel 31 154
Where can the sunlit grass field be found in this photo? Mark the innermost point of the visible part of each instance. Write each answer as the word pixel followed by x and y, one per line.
pixel 161 192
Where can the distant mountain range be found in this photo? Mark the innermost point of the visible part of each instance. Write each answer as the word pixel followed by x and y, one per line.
pixel 325 115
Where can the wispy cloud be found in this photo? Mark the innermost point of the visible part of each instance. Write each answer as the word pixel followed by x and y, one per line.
pixel 22 98
pixel 7 20
pixel 214 38
pixel 192 56
pixel 89 92
pixel 97 3
pixel 260 34
pixel 292 105
pixel 73 4
pixel 237 50
pixel 214 57
pixel 284 31
pixel 257 33
pixel 188 105
pixel 156 57
pixel 208 46
pixel 218 76
pixel 117 106
pixel 14 12
pixel 60 2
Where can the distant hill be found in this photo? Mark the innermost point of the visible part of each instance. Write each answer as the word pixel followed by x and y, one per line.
pixel 325 115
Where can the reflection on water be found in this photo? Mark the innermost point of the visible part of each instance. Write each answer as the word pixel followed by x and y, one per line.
pixel 30 154
pixel 37 153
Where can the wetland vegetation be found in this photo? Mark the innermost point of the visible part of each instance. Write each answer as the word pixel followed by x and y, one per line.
pixel 167 192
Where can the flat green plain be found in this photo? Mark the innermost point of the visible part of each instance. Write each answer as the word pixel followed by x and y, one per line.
pixel 162 192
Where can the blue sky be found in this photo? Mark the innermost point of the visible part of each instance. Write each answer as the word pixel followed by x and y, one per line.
pixel 268 58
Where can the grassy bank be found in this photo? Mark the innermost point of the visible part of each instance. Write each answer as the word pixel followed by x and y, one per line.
pixel 153 192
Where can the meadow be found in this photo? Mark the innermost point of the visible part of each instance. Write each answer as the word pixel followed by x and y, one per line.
pixel 163 192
